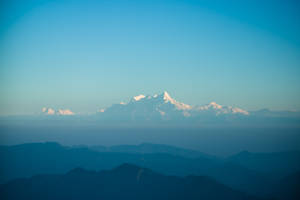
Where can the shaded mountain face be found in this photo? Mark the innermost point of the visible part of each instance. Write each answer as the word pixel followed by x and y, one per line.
pixel 124 182
pixel 288 187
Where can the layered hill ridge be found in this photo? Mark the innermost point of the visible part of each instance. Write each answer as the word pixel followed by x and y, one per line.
pixel 26 160
pixel 124 182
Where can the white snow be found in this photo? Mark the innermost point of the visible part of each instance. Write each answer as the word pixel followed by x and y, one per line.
pixel 180 106
pixel 139 97
pixel 238 110
pixel 215 105
pixel 164 105
pixel 167 97
pixel 219 109
pixel 48 111
pixel 51 111
pixel 65 112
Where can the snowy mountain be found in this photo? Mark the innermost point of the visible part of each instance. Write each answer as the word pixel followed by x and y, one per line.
pixel 219 110
pixel 51 111
pixel 164 107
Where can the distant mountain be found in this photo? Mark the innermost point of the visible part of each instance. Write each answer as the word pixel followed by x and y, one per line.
pixel 148 148
pixel 124 182
pixel 164 108
pixel 39 158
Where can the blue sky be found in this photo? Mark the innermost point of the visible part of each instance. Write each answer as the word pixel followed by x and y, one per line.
pixel 85 55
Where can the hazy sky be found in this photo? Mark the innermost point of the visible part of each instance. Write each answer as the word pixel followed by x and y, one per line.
pixel 85 55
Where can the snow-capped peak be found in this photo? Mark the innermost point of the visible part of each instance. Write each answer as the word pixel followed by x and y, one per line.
pixel 139 97
pixel 179 106
pixel 167 97
pixel 219 109
pixel 51 111
pixel 164 107
pixel 239 110
pixel 215 105
pixel 65 112
pixel 48 111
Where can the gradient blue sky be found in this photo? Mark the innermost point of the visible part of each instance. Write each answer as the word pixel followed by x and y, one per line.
pixel 85 55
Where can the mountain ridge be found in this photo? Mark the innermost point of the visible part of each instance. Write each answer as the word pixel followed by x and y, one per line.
pixel 26 160
pixel 164 110
pixel 126 181
pixel 164 107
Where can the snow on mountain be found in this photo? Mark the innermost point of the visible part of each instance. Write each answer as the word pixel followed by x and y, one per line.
pixel 65 112
pixel 180 106
pixel 48 111
pixel 218 109
pixel 164 107
pixel 137 98
pixel 51 111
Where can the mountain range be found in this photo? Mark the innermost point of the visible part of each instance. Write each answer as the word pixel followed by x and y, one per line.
pixel 241 171
pixel 164 108
pixel 126 181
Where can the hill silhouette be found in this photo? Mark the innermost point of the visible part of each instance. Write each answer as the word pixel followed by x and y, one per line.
pixel 124 182
pixel 26 160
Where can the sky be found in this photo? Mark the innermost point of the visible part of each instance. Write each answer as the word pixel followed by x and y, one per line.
pixel 86 55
